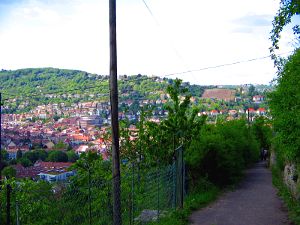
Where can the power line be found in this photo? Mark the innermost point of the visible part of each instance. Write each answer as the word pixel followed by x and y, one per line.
pixel 142 78
pixel 223 65
pixel 151 13
pixel 166 36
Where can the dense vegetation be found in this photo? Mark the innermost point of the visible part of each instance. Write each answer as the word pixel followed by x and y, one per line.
pixel 27 88
pixel 284 102
pixel 284 106
pixel 285 109
pixel 215 155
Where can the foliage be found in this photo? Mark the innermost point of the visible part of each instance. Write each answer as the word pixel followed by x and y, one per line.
pixel 252 91
pixel 221 152
pixel 35 155
pixel 33 200
pixel 284 105
pixel 57 156
pixel 60 146
pixel 9 172
pixel 27 88
pixel 180 120
pixel 214 154
pixel 262 130
pixel 25 162
pixel 201 196
pixel 72 156
pixel 288 9
pixel 19 154
pixel 158 141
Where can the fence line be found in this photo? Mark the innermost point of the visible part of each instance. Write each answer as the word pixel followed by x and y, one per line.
pixel 146 195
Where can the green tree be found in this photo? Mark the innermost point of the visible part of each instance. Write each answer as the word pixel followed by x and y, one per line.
pixel 25 162
pixel 42 154
pixel 33 156
pixel 221 152
pixel 284 105
pixel 9 172
pixel 35 201
pixel 60 146
pixel 72 156
pixel 261 128
pixel 288 9
pixel 19 154
pixel 57 156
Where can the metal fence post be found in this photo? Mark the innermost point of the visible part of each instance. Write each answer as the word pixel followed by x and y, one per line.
pixel 158 189
pixel 90 198
pixel 8 193
pixel 179 177
pixel 174 183
pixel 17 212
pixel 132 196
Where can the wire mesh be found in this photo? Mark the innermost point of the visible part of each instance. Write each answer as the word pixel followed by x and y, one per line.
pixel 146 195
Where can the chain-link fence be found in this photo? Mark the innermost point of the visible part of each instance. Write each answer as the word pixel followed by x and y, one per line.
pixel 147 193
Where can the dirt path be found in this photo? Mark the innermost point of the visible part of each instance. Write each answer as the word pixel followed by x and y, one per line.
pixel 254 202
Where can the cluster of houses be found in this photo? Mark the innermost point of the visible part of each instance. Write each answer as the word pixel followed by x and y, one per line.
pixel 47 171
pixel 83 126
pixel 234 113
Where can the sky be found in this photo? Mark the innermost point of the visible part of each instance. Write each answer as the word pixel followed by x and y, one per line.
pixel 168 37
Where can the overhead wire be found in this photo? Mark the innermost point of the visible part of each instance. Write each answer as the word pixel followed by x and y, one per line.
pixel 166 75
pixel 223 65
pixel 167 37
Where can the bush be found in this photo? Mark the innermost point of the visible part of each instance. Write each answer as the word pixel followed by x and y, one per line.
pixel 221 152
pixel 284 105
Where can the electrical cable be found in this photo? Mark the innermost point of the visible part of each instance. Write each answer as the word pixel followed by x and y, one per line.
pixel 222 65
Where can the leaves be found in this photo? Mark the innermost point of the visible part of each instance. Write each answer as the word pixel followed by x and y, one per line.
pixel 288 9
pixel 285 110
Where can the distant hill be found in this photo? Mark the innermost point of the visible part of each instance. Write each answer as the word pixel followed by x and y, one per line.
pixel 26 88
pixel 220 94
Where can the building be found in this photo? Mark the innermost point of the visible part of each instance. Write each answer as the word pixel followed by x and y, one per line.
pixel 258 98
pixel 88 121
pixel 219 94
pixel 54 171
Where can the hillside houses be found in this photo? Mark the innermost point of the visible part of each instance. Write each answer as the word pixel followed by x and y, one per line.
pixel 81 124
pixel 48 171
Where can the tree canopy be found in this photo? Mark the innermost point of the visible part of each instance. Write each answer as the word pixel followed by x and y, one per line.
pixel 288 9
pixel 284 105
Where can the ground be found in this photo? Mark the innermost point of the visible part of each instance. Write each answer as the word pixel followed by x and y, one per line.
pixel 254 202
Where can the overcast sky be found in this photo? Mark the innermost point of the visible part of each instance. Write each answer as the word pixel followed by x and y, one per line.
pixel 180 35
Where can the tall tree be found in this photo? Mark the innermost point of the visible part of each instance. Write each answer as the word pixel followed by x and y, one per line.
pixel 288 9
pixel 285 110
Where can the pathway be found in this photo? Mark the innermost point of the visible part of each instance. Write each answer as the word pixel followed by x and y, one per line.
pixel 254 202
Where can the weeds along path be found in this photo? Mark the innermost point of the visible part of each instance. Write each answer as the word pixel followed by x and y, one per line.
pixel 254 202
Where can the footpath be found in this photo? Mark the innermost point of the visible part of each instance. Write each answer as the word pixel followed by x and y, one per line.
pixel 254 202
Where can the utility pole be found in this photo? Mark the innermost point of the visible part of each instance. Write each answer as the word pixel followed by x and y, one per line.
pixel 0 137
pixel 117 219
pixel 248 116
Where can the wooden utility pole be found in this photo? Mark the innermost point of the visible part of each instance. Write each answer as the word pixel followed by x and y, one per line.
pixel 117 219
pixel 0 137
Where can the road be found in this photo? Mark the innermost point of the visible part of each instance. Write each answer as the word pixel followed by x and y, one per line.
pixel 253 202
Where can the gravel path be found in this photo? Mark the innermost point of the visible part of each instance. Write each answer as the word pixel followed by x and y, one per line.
pixel 254 202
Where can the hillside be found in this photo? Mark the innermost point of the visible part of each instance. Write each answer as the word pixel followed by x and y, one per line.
pixel 26 88
pixel 220 94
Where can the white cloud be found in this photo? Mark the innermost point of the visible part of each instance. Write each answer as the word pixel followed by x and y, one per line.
pixel 189 35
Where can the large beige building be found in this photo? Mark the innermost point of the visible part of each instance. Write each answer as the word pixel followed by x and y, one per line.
pixel 88 121
pixel 220 94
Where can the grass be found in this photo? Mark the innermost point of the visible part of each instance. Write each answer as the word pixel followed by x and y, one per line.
pixel 292 204
pixel 198 198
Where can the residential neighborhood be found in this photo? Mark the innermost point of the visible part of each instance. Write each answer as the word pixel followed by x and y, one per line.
pixel 85 126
